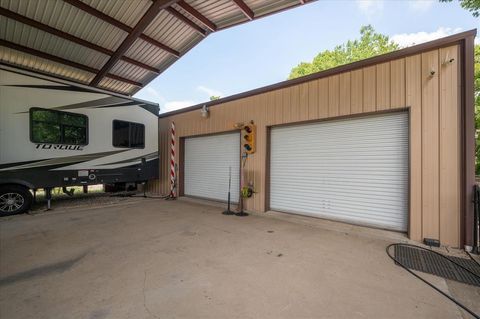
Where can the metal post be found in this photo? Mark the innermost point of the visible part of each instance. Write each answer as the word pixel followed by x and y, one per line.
pixel 228 211
pixel 241 213
pixel 48 194
pixel 476 209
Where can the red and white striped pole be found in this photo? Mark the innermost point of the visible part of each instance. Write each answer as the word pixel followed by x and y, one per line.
pixel 172 163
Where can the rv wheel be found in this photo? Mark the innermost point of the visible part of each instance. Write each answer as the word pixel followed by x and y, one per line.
pixel 14 199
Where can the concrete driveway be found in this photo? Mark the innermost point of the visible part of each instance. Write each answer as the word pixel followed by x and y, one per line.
pixel 150 258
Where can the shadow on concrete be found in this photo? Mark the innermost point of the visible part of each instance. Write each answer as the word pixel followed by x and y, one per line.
pixel 55 268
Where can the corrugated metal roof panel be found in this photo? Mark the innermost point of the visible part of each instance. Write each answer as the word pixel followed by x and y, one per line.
pixel 25 35
pixel 35 63
pixel 67 18
pixel 129 71
pixel 190 42
pixel 219 12
pixel 262 7
pixel 189 16
pixel 116 86
pixel 128 12
pixel 169 30
pixel 147 53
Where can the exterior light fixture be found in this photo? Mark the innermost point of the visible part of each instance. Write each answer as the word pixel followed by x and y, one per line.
pixel 204 111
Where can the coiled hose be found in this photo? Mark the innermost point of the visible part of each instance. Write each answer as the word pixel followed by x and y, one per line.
pixel 430 284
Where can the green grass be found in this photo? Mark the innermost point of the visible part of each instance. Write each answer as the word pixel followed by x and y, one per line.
pixel 58 194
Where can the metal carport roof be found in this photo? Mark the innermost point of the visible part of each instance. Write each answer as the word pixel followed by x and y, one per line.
pixel 119 46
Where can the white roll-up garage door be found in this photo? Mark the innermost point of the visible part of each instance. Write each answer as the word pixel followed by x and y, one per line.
pixel 353 170
pixel 207 161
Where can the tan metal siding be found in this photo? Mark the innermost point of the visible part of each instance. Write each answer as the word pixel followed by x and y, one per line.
pixel 434 103
pixel 323 98
pixel 397 83
pixel 333 95
pixel 369 89
pixel 430 147
pixel 413 89
pixel 449 146
pixel 345 92
pixel 356 91
pixel 383 86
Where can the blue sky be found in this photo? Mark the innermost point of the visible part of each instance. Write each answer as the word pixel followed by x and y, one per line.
pixel 263 52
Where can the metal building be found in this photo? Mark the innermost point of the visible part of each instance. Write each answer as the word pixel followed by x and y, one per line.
pixel 386 142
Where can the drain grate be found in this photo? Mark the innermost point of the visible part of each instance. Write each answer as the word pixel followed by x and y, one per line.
pixel 432 263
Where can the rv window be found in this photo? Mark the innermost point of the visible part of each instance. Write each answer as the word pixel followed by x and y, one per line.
pixel 51 126
pixel 128 134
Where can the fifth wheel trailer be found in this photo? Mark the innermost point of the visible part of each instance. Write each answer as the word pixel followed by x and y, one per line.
pixel 55 133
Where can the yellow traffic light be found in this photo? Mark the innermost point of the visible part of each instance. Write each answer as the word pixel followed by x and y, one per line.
pixel 248 138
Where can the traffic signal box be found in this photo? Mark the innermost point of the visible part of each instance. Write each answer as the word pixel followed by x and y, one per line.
pixel 248 138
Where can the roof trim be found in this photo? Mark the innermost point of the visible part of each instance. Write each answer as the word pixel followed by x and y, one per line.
pixel 19 70
pixel 435 44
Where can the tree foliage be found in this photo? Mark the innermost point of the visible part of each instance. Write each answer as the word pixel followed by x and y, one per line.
pixel 471 5
pixel 214 97
pixel 370 44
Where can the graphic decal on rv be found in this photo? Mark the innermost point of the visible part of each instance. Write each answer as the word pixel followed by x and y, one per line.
pixel 63 161
pixel 64 147
pixel 112 101
pixel 147 157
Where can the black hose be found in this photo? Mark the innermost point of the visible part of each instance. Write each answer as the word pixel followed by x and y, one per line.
pixel 428 283
pixel 437 253
pixel 471 257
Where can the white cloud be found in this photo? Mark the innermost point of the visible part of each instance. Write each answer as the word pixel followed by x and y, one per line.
pixel 408 39
pixel 175 105
pixel 153 92
pixel 150 94
pixel 210 92
pixel 420 5
pixel 370 7
pixel 477 40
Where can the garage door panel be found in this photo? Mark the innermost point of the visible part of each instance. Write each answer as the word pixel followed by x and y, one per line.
pixel 206 166
pixel 353 170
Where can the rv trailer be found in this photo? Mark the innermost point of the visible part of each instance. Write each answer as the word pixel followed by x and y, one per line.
pixel 55 133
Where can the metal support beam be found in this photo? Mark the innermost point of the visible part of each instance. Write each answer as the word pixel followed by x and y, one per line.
pixel 186 20
pixel 46 28
pixel 144 22
pixel 245 9
pixel 209 24
pixel 102 16
pixel 58 59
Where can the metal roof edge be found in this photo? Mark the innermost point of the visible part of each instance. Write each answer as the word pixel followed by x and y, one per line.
pixel 40 75
pixel 405 52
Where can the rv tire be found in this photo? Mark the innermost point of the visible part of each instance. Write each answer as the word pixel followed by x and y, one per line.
pixel 14 199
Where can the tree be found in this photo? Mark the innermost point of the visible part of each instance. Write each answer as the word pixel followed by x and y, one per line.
pixel 471 5
pixel 213 97
pixel 370 44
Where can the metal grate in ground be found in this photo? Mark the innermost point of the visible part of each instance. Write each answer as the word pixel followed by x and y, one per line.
pixel 432 263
